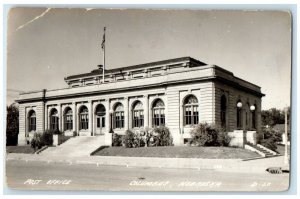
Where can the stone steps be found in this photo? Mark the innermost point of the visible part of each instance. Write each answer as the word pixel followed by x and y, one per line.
pixel 78 146
pixel 262 150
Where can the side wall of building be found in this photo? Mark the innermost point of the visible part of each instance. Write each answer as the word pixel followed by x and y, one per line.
pixel 234 95
pixel 175 101
pixel 24 109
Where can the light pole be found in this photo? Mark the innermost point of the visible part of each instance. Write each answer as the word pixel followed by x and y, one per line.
pixel 252 109
pixel 239 106
pixel 111 121
pixel 286 137
pixel 253 123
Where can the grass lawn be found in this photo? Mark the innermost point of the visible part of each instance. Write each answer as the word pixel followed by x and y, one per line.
pixel 179 152
pixel 63 138
pixel 19 149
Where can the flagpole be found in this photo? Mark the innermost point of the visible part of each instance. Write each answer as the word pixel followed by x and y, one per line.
pixel 103 69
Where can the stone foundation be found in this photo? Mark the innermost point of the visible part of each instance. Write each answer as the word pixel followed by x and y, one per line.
pixel 241 137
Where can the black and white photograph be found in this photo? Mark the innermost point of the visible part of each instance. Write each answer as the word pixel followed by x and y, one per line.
pixel 152 100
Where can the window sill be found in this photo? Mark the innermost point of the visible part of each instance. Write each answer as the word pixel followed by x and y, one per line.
pixel 119 129
pixel 137 128
pixel 189 126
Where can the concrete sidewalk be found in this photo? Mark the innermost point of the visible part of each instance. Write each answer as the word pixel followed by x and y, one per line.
pixel 227 165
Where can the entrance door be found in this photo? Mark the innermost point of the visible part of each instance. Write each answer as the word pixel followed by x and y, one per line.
pixel 100 120
pixel 100 124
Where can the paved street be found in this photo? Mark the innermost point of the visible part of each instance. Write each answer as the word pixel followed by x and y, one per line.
pixel 37 175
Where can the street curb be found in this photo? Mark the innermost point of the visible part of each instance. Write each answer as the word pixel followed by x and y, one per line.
pixel 224 165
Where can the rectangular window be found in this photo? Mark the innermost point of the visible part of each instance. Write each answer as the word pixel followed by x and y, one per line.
pixel 84 122
pixel 162 120
pixel 119 119
pixel 188 117
pixel 68 122
pixel 141 123
pixel 122 120
pixel 191 115
pixel 138 118
pixel 54 123
pixel 98 122
pixel 32 124
pixel 196 115
pixel 158 117
pixel 135 119
pixel 103 122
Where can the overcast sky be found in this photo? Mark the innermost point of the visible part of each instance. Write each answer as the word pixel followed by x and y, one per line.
pixel 46 45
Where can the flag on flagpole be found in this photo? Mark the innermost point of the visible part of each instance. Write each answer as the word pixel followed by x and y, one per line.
pixel 103 40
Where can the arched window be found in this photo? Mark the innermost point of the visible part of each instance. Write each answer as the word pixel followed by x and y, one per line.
pixel 31 121
pixel 239 115
pixel 83 118
pixel 54 119
pixel 223 111
pixel 158 112
pixel 100 116
pixel 119 116
pixel 138 115
pixel 68 119
pixel 191 114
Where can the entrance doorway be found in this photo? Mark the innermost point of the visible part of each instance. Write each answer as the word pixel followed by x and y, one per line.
pixel 100 120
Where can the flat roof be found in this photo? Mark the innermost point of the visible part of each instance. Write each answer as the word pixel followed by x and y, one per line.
pixel 139 66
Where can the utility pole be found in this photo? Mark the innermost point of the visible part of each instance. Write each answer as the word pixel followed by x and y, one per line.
pixel 286 137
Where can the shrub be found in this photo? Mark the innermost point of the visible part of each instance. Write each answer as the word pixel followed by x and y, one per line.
pixel 75 133
pixel 12 125
pixel 36 142
pixel 164 136
pixel 269 143
pixel 129 139
pixel 55 132
pixel 145 134
pixel 260 136
pixel 47 137
pixel 117 140
pixel 143 137
pixel 223 139
pixel 270 139
pixel 42 139
pixel 271 134
pixel 136 140
pixel 204 134
pixel 153 141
